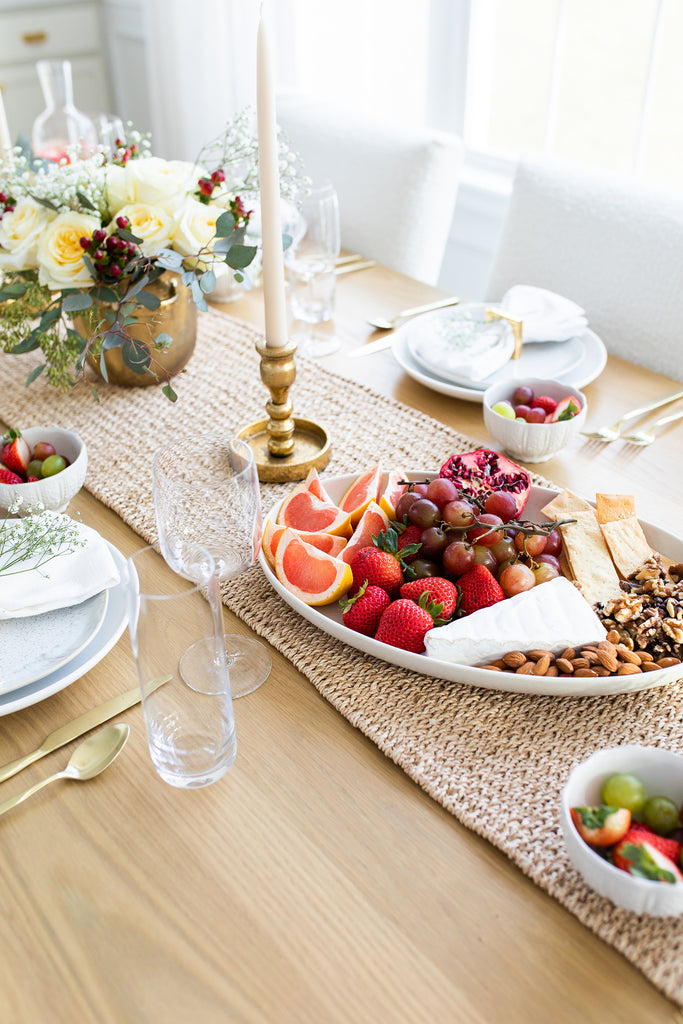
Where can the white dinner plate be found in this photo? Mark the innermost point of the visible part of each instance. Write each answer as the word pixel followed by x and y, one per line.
pixel 533 362
pixel 108 634
pixel 329 619
pixel 35 645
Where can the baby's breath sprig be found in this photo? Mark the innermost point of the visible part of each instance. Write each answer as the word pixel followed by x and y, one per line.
pixel 36 539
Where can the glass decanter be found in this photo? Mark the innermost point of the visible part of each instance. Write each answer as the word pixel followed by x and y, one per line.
pixel 60 125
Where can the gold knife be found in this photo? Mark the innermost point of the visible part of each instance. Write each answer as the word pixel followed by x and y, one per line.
pixel 72 730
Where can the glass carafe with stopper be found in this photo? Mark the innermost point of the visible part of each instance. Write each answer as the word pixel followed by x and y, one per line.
pixel 60 125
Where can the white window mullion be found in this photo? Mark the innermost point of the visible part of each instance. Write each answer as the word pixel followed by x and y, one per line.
pixel 558 64
pixel 646 106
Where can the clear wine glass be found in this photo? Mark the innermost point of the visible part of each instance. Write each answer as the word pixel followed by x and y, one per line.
pixel 206 494
pixel 311 262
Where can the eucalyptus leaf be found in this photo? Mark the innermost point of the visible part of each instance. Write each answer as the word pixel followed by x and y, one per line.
pixel 163 341
pixel 104 294
pixel 286 241
pixel 137 357
pixel 109 315
pixel 169 260
pixel 240 256
pixel 94 393
pixel 46 203
pixel 50 318
pixel 207 282
pixel 27 344
pixel 188 278
pixel 84 201
pixel 35 372
pixel 128 236
pixel 113 339
pixel 126 308
pixel 15 290
pixel 149 300
pixel 168 391
pixel 90 265
pixel 74 303
pixel 103 366
pixel 225 225
pixel 137 287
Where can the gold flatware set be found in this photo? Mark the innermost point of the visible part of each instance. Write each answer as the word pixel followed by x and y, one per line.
pixel 612 432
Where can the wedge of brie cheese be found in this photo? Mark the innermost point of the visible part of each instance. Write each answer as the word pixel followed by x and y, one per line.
pixel 549 617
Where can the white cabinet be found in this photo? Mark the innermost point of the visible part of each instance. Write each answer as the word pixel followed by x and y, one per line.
pixel 68 31
pixel 126 39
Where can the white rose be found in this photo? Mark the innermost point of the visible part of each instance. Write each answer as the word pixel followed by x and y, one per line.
pixel 150 223
pixel 19 234
pixel 154 181
pixel 195 227
pixel 60 256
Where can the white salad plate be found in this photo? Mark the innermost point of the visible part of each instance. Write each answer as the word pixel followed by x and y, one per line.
pixel 329 619
pixel 110 630
pixel 36 645
pixel 577 361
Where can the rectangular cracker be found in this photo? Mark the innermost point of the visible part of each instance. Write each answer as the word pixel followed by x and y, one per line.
pixel 627 544
pixel 565 505
pixel 611 507
pixel 589 558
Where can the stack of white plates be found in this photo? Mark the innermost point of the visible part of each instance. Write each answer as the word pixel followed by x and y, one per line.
pixel 422 347
pixel 42 654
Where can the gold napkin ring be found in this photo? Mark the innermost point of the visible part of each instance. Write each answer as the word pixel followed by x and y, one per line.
pixel 516 324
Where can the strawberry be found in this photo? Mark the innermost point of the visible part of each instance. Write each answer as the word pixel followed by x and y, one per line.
pixel 8 477
pixel 546 403
pixel 15 454
pixel 601 826
pixel 408 536
pixel 478 588
pixel 405 624
pixel 363 611
pixel 671 848
pixel 379 568
pixel 639 856
pixel 439 590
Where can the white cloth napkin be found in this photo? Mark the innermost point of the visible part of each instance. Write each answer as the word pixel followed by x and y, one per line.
pixel 545 315
pixel 457 344
pixel 65 580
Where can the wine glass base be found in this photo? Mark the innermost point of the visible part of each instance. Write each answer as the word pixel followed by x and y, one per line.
pixel 249 664
pixel 314 344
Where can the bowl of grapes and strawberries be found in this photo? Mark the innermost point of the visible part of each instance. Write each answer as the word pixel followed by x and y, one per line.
pixel 534 419
pixel 41 466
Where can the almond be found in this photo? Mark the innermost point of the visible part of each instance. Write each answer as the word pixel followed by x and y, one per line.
pixel 650 666
pixel 580 663
pixel 568 653
pixel 613 637
pixel 542 665
pixel 629 656
pixel 608 660
pixel 584 672
pixel 629 669
pixel 565 666
pixel 538 655
pixel 526 669
pixel 514 659
pixel 644 656
pixel 668 662
pixel 491 668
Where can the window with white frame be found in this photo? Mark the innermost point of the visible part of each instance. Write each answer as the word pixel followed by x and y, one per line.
pixel 595 80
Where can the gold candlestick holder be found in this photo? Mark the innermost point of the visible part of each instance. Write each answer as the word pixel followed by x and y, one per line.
pixel 285 447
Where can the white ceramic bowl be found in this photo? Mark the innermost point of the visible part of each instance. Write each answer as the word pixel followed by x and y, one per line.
pixel 531 442
pixel 661 772
pixel 53 492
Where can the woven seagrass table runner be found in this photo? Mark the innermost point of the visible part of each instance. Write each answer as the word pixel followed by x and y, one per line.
pixel 496 761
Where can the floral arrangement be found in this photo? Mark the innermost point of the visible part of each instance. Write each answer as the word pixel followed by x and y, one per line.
pixel 32 541
pixel 86 239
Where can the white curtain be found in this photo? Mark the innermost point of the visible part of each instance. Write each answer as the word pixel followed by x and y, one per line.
pixel 202 69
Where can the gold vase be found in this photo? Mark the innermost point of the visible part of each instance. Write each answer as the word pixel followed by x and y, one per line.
pixel 177 316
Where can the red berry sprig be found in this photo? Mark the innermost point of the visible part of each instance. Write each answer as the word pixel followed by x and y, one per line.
pixel 206 186
pixel 124 153
pixel 109 253
pixel 7 204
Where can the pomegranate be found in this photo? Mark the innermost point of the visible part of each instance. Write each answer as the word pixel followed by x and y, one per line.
pixel 477 474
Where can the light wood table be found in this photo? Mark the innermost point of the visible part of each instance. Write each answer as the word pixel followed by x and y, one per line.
pixel 315 883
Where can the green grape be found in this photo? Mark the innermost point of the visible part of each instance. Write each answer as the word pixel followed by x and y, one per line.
pixel 661 814
pixel 624 790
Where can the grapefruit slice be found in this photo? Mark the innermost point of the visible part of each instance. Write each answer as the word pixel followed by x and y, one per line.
pixel 372 522
pixel 327 542
pixel 310 574
pixel 314 484
pixel 362 491
pixel 392 492
pixel 302 510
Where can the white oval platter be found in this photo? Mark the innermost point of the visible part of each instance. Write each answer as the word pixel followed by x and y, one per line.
pixel 329 619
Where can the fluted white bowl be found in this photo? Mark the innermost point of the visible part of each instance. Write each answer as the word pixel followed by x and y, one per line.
pixel 531 442
pixel 53 492
pixel 661 773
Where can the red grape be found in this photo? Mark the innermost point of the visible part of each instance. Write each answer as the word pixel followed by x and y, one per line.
pixel 420 489
pixel 533 545
pixel 423 567
pixel 441 491
pixel 407 499
pixel 504 550
pixel 458 558
pixel 484 556
pixel 524 395
pixel 549 560
pixel 458 513
pixel 42 449
pixel 544 572
pixel 553 543
pixel 501 503
pixel 423 512
pixel 434 542
pixel 522 411
pixel 536 416
pixel 484 534
pixel 515 579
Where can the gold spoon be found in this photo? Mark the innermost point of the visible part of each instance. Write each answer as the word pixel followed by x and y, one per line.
pixel 88 759
pixel 388 325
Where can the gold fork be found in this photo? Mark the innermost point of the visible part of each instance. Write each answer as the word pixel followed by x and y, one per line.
pixel 643 437
pixel 613 433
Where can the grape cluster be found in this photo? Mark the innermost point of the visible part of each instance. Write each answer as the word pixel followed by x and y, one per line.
pixel 456 534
